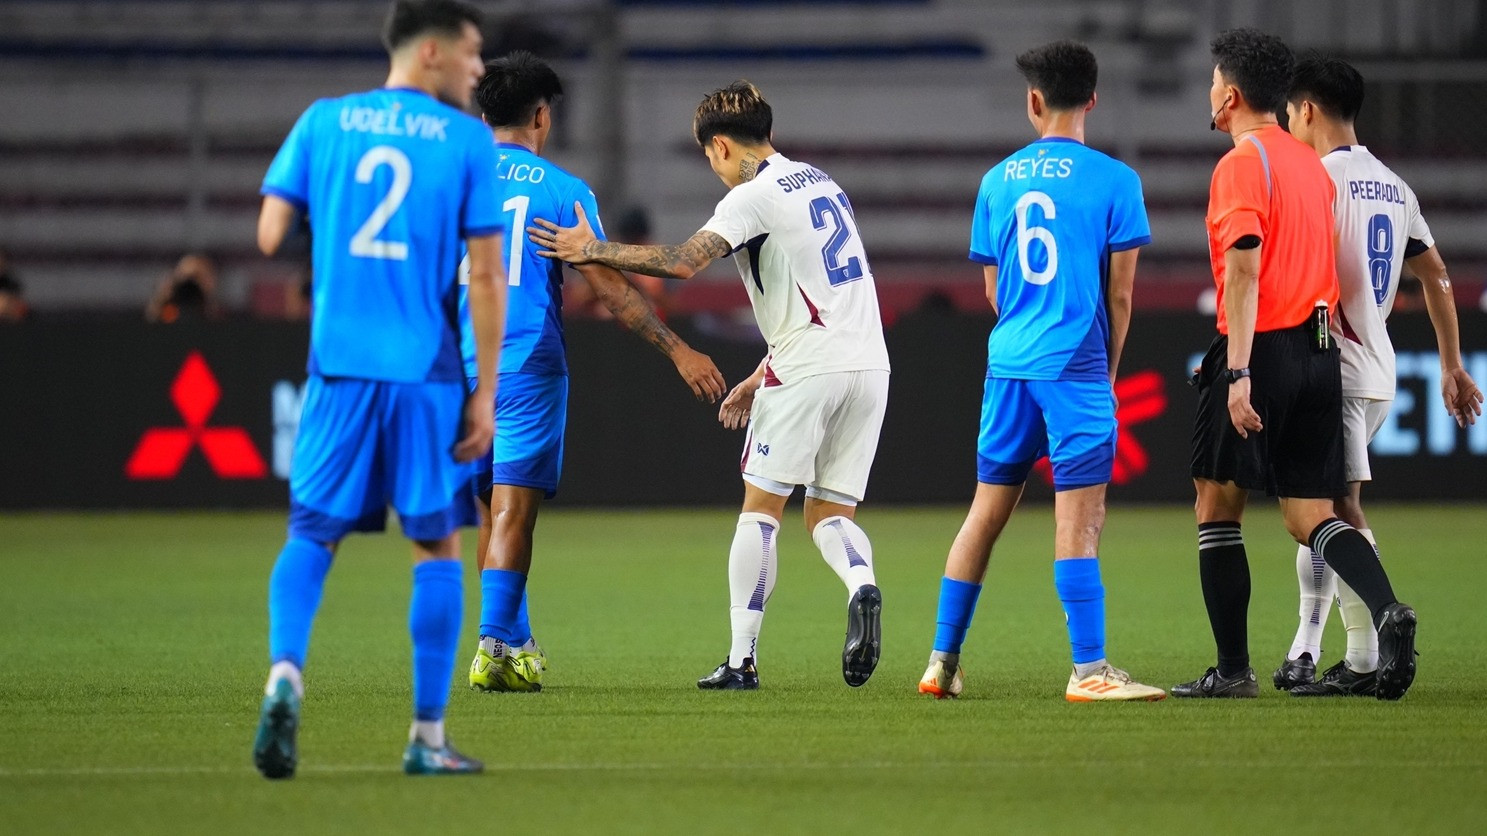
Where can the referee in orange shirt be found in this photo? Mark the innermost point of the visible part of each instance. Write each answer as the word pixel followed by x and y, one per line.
pixel 1270 388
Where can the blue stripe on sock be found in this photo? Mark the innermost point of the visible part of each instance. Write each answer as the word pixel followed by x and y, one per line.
pixel 1083 596
pixel 434 623
pixel 756 601
pixel 957 606
pixel 294 591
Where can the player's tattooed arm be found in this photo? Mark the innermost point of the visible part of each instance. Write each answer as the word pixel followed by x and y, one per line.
pixel 578 245
pixel 616 293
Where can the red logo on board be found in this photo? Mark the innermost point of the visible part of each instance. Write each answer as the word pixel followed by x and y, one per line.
pixel 163 450
pixel 1138 399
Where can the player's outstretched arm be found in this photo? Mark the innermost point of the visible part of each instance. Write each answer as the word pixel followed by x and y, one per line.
pixel 578 245
pixel 1462 395
pixel 617 294
pixel 275 220
pixel 1118 302
pixel 488 320
pixel 735 409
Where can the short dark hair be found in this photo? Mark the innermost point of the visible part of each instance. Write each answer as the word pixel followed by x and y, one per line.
pixel 1065 73
pixel 1259 64
pixel 514 86
pixel 407 19
pixel 737 111
pixel 1331 84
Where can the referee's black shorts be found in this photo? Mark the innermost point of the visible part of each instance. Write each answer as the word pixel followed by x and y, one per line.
pixel 1297 392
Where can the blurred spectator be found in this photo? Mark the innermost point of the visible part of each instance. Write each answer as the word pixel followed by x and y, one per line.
pixel 13 307
pixel 633 227
pixel 188 292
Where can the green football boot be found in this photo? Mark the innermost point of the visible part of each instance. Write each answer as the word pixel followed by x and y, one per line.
pixel 275 751
pixel 422 759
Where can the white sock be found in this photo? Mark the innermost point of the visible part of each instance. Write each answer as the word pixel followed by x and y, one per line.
pixel 752 564
pixel 1083 669
pixel 1363 639
pixel 493 646
pixel 431 732
pixel 285 670
pixel 1318 584
pixel 847 551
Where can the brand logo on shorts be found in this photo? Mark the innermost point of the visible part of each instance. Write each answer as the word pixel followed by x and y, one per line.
pixel 761 449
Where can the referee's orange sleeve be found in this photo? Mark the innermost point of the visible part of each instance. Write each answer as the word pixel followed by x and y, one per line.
pixel 1238 200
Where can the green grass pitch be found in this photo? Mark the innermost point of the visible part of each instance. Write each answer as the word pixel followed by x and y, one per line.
pixel 135 653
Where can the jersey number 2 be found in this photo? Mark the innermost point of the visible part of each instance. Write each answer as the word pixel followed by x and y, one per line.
pixel 823 208
pixel 365 242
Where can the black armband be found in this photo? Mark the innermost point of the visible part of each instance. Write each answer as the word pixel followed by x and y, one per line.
pixel 1247 242
pixel 1415 247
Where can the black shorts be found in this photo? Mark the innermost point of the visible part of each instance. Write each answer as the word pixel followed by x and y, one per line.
pixel 1297 392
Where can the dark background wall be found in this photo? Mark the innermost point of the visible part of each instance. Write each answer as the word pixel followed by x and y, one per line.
pixel 78 398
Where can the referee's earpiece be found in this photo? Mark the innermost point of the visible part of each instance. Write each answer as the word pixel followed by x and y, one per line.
pixel 1213 121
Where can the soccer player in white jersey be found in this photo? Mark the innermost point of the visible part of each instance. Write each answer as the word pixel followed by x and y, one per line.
pixel 1379 230
pixel 815 404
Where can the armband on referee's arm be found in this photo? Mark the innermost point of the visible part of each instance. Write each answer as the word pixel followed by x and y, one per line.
pixel 1247 242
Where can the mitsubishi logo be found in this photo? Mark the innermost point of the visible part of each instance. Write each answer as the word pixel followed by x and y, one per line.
pixel 1138 398
pixel 163 450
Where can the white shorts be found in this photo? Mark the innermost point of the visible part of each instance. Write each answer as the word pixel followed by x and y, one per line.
pixel 819 431
pixel 1361 418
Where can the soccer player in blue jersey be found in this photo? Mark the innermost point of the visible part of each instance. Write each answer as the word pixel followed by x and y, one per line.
pixel 1057 227
pixel 390 181
pixel 516 96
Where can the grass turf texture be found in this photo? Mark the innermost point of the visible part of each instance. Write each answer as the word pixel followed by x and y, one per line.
pixel 135 656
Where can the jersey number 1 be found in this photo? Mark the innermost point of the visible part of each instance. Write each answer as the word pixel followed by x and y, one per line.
pixel 365 242
pixel 823 208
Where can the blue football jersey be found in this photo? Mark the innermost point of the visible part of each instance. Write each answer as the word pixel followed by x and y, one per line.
pixel 532 188
pixel 1048 217
pixel 392 180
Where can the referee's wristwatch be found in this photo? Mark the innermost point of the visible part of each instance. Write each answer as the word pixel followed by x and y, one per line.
pixel 1233 375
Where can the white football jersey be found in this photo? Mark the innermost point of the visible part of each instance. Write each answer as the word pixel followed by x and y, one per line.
pixel 1377 217
pixel 804 266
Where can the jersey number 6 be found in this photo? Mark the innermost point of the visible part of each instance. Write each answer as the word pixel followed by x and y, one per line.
pixel 1027 234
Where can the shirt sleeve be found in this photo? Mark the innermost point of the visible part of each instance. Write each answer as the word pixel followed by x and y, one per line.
pixel 482 214
pixel 1415 223
pixel 582 194
pixel 1129 226
pixel 739 217
pixel 288 175
pixel 1239 200
pixel 983 245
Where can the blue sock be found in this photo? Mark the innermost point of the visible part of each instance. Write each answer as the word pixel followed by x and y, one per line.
pixel 434 621
pixel 293 597
pixel 503 595
pixel 1083 597
pixel 957 605
pixel 521 628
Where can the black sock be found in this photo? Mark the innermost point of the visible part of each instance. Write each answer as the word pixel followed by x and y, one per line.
pixel 1224 571
pixel 1355 561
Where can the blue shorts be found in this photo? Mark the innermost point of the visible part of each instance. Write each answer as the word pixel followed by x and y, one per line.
pixel 531 419
pixel 1070 421
pixel 363 444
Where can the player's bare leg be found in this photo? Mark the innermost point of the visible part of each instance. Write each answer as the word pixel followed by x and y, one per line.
pixel 508 659
pixel 1079 519
pixel 965 568
pixel 434 615
pixel 752 566
pixel 831 519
